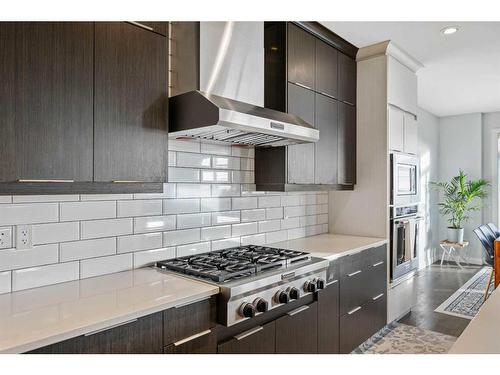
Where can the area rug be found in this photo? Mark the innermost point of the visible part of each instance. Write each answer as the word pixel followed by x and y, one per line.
pixel 398 338
pixel 467 300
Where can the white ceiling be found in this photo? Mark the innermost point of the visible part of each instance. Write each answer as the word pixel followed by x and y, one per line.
pixel 461 72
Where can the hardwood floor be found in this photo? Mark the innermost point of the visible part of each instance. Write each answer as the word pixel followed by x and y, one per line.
pixel 434 285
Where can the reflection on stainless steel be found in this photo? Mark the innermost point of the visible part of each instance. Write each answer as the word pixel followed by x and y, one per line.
pixel 221 55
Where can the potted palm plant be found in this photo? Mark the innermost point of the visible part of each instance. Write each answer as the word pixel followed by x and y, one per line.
pixel 460 198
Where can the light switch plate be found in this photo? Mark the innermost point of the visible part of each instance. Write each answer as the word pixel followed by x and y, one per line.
pixel 5 238
pixel 24 237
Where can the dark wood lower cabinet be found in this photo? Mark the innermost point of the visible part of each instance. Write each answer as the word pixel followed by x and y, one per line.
pixel 297 331
pixel 258 340
pixel 328 319
pixel 205 343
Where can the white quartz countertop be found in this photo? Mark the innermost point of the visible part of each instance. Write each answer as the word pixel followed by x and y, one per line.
pixel 482 335
pixel 33 318
pixel 331 246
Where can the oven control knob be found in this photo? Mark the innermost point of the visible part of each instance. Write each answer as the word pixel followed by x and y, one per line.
pixel 282 297
pixel 310 286
pixel 320 283
pixel 261 305
pixel 294 293
pixel 247 310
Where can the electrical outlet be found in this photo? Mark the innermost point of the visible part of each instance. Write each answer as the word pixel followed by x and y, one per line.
pixel 5 238
pixel 23 237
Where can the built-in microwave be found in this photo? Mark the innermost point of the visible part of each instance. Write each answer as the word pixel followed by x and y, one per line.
pixel 405 175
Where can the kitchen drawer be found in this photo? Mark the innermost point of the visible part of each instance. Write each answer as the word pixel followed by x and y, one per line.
pixel 297 331
pixel 204 342
pixel 376 277
pixel 328 319
pixel 185 321
pixel 354 290
pixel 333 271
pixel 376 255
pixel 352 263
pixel 258 340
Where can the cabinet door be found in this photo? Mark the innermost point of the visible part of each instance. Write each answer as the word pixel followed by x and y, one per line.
pixel 410 134
pixel 401 86
pixel 297 332
pixel 202 343
pixel 347 78
pixel 326 69
pixel 157 27
pixel 301 46
pixel 301 157
pixel 326 149
pixel 46 95
pixel 328 319
pixel 396 129
pixel 258 340
pixel 347 144
pixel 130 123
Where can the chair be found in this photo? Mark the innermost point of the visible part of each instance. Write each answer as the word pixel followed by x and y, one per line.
pixel 487 234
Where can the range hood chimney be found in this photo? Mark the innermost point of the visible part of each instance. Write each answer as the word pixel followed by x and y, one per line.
pixel 217 87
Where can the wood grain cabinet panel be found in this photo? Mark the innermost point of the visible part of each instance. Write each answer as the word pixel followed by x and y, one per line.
pixel 258 340
pixel 326 149
pixel 347 79
pixel 46 99
pixel 130 120
pixel 301 56
pixel 297 332
pixel 326 69
pixel 204 344
pixel 328 319
pixel 347 144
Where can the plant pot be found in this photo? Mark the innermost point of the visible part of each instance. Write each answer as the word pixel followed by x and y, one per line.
pixel 456 235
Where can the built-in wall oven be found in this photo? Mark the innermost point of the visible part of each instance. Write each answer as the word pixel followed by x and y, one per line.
pixel 405 229
pixel 405 175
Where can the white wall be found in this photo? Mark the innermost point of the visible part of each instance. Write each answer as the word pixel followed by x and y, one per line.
pixel 428 150
pixel 491 130
pixel 460 147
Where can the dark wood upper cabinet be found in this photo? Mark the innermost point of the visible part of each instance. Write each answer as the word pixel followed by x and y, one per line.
pixel 346 144
pixel 46 99
pixel 301 56
pixel 157 27
pixel 326 149
pixel 326 69
pixel 130 119
pixel 347 79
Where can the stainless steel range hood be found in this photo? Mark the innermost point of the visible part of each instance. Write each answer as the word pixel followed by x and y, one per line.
pixel 217 88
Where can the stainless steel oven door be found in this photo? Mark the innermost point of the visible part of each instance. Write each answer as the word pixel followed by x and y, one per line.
pixel 404 245
pixel 405 173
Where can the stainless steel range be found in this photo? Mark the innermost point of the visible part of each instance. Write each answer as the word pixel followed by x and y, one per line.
pixel 253 279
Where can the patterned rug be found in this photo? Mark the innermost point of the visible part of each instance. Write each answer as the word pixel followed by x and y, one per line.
pixel 398 338
pixel 467 300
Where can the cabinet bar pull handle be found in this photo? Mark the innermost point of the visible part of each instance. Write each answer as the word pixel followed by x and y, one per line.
pixel 298 310
pixel 346 102
pixel 354 310
pixel 250 332
pixel 301 85
pixel 141 25
pixel 329 95
pixel 124 182
pixel 45 180
pixel 191 302
pixel 354 273
pixel 378 264
pixel 377 297
pixel 110 327
pixel 332 282
pixel 183 341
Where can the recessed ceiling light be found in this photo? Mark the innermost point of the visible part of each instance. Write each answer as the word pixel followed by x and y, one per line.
pixel 449 30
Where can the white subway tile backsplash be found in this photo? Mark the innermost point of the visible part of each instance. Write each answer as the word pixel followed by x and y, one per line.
pixel 215 204
pixel 87 249
pixel 149 257
pixel 12 259
pixel 183 175
pixel 192 249
pixel 244 203
pixel 294 211
pixel 243 151
pixel 181 237
pixel 5 282
pixel 43 198
pixel 146 207
pixel 181 206
pixel 225 190
pixel 215 233
pixel 293 222
pixel 169 191
pixel 244 229
pixel 226 243
pixel 270 201
pixel 105 197
pixel 55 232
pixel 104 265
pixel 253 215
pixel 323 219
pixel 215 176
pixel 247 164
pixel 295 233
pixel 186 221
pixel 189 160
pixel 307 220
pixel 215 148
pixel 256 239
pixel 29 213
pixel 193 191
pixel 188 145
pixel 225 162
pixel 73 211
pixel 322 199
pixel 138 242
pixel 274 213
pixel 172 159
pixel 322 209
pixel 106 228
pixel 44 275
pixel 154 224
pixel 312 210
pixel 243 177
pixel 225 217
pixel 277 236
pixel 269 226
pixel 290 200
